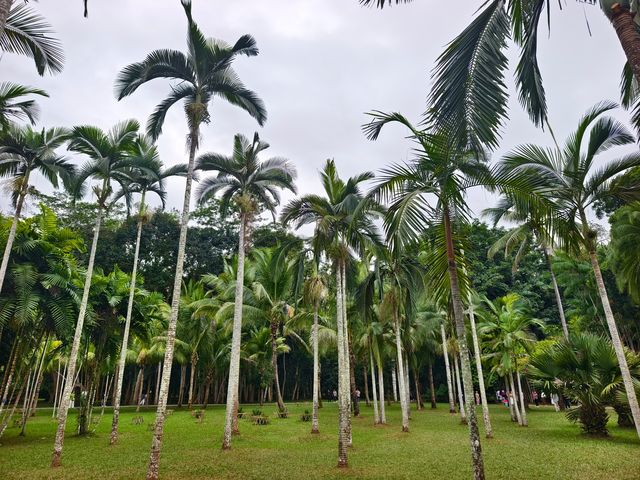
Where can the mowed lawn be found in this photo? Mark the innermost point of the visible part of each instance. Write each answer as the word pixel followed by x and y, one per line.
pixel 435 448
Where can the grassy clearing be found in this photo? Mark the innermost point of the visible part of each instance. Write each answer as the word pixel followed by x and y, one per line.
pixel 435 448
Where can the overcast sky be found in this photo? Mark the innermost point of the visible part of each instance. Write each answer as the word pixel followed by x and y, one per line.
pixel 322 64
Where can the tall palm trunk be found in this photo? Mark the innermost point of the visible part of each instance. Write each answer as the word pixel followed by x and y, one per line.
pixel 156 442
pixel 192 376
pixel 347 358
pixel 274 365
pixel 376 413
pixel 75 346
pixel 139 387
pixel 458 314
pixel 432 389
pixel 5 6
pixel 447 367
pixel 617 343
pixel 394 382
pixel 483 392
pixel 352 377
pixel 556 291
pixel 383 415
pixel 158 378
pixel 316 372
pixel 19 204
pixel 523 407
pixel 461 397
pixel 627 31
pixel 234 363
pixel 10 372
pixel 343 378
pixel 514 399
pixel 401 376
pixel 125 336
pixel 183 375
pixel 416 383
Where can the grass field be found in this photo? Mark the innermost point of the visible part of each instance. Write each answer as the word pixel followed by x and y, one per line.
pixel 436 448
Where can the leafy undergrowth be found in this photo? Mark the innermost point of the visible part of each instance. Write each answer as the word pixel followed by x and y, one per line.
pixel 436 448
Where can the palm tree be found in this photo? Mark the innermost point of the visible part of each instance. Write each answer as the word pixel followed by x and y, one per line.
pixel 507 328
pixel 584 369
pixel 469 90
pixel 201 74
pixel 624 257
pixel 315 292
pixel 532 228
pixel 445 170
pixel 25 32
pixel 147 176
pixel 250 185
pixel 14 107
pixel 570 178
pixel 342 220
pixel 22 152
pixel 109 162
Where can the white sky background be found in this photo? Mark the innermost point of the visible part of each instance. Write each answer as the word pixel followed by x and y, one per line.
pixel 323 63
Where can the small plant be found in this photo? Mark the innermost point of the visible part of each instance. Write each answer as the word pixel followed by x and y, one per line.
pixel 256 412
pixel 282 413
pixel 261 420
pixel 306 416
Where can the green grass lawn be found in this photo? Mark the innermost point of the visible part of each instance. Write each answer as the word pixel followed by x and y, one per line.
pixel 436 448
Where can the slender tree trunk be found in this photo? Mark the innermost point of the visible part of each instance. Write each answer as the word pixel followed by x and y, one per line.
pixel 139 388
pixel 432 389
pixel 352 378
pixel 21 196
pixel 156 443
pixel 416 382
pixel 56 458
pixel 483 393
pixel 365 377
pixel 347 358
pixel 556 291
pixel 458 314
pixel 617 343
pixel 394 382
pixel 376 413
pixel 113 439
pixel 234 363
pixel 183 375
pixel 383 414
pixel 512 410
pixel 6 422
pixel 401 375
pixel 274 365
pixel 627 31
pixel 5 6
pixel 343 378
pixel 10 372
pixel 192 375
pixel 407 385
pixel 316 372
pixel 158 378
pixel 463 410
pixel 523 407
pixel 452 402
pixel 514 399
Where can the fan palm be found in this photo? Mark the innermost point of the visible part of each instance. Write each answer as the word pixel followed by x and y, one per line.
pixel 584 369
pixel 14 107
pixel 570 178
pixel 342 220
pixel 201 74
pixel 249 184
pixel 148 175
pixel 25 32
pixel 532 228
pixel 444 171
pixel 108 163
pixel 22 152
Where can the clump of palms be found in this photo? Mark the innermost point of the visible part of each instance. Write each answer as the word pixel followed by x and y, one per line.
pixel 572 182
